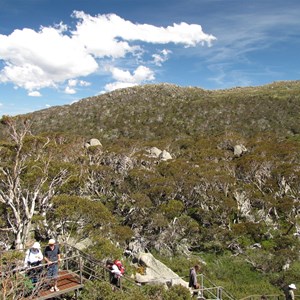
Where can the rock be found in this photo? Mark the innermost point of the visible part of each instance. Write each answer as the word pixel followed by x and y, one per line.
pixel 239 150
pixel 154 152
pixel 156 272
pixel 95 142
pixel 136 245
pixel 92 142
pixel 165 155
pixel 80 245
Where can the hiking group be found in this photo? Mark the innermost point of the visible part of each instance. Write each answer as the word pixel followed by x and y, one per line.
pixel 33 261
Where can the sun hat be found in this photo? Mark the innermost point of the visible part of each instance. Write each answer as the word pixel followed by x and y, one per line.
pixel 51 242
pixel 292 286
pixel 36 245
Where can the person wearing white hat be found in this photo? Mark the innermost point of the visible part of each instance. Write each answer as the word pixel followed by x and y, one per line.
pixel 290 293
pixel 33 258
pixel 52 257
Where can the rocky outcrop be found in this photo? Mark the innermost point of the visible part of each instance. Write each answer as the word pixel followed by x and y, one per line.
pixel 156 272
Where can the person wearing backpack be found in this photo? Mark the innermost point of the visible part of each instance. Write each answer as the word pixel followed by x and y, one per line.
pixel 33 258
pixel 120 266
pixel 115 272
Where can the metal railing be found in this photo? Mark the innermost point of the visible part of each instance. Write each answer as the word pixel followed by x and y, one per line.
pixel 18 282
pixel 85 267
pixel 208 290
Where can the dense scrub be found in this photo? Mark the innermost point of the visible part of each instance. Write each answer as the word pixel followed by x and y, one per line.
pixel 236 212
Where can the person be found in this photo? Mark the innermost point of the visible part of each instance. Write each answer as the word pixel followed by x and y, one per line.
pixel 115 273
pixel 33 258
pixel 290 292
pixel 52 258
pixel 193 283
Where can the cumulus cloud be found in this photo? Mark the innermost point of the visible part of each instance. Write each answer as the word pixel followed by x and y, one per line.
pixel 55 55
pixel 34 60
pixel 125 79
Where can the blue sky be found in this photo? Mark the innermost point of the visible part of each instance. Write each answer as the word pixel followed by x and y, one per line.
pixel 56 52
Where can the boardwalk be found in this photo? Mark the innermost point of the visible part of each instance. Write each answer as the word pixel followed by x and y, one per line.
pixel 67 282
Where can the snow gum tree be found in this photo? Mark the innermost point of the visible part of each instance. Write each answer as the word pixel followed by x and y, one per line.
pixel 29 178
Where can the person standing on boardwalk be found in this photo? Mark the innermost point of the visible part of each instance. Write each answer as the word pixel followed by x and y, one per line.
pixel 290 292
pixel 33 258
pixel 52 258
pixel 193 282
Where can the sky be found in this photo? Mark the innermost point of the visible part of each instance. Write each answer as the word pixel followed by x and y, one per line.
pixel 56 52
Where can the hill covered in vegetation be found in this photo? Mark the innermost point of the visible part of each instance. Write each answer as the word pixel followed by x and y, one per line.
pixel 160 111
pixel 182 172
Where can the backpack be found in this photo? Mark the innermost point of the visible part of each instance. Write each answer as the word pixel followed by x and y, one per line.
pixel 120 266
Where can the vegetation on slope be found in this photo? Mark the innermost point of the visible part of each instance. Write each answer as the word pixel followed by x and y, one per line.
pixel 242 210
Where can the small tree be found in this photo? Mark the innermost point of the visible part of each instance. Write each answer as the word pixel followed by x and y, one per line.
pixel 29 178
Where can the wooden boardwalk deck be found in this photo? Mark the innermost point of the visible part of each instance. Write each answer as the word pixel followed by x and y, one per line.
pixel 67 282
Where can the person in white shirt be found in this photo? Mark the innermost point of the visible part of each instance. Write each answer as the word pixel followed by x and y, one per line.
pixel 33 258
pixel 115 273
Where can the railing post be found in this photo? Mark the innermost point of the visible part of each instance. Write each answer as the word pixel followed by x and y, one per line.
pixel 80 269
pixel 67 264
pixel 219 295
pixel 202 285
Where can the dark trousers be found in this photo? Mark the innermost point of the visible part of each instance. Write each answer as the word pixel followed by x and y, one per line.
pixel 34 272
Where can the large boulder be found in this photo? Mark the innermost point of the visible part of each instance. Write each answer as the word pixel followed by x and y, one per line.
pixel 92 142
pixel 165 155
pixel 154 152
pixel 239 150
pixel 156 272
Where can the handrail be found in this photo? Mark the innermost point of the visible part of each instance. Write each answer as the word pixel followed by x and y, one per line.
pixel 220 292
pixel 99 263
pixel 86 266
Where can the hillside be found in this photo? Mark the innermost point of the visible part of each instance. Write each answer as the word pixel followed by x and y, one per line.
pixel 188 174
pixel 159 111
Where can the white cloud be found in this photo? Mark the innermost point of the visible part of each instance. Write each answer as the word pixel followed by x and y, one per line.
pixel 161 57
pixel 70 91
pixel 34 94
pixel 102 34
pixel 117 85
pixel 53 55
pixel 83 83
pixel 72 82
pixel 75 82
pixel 126 79
pixel 35 60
